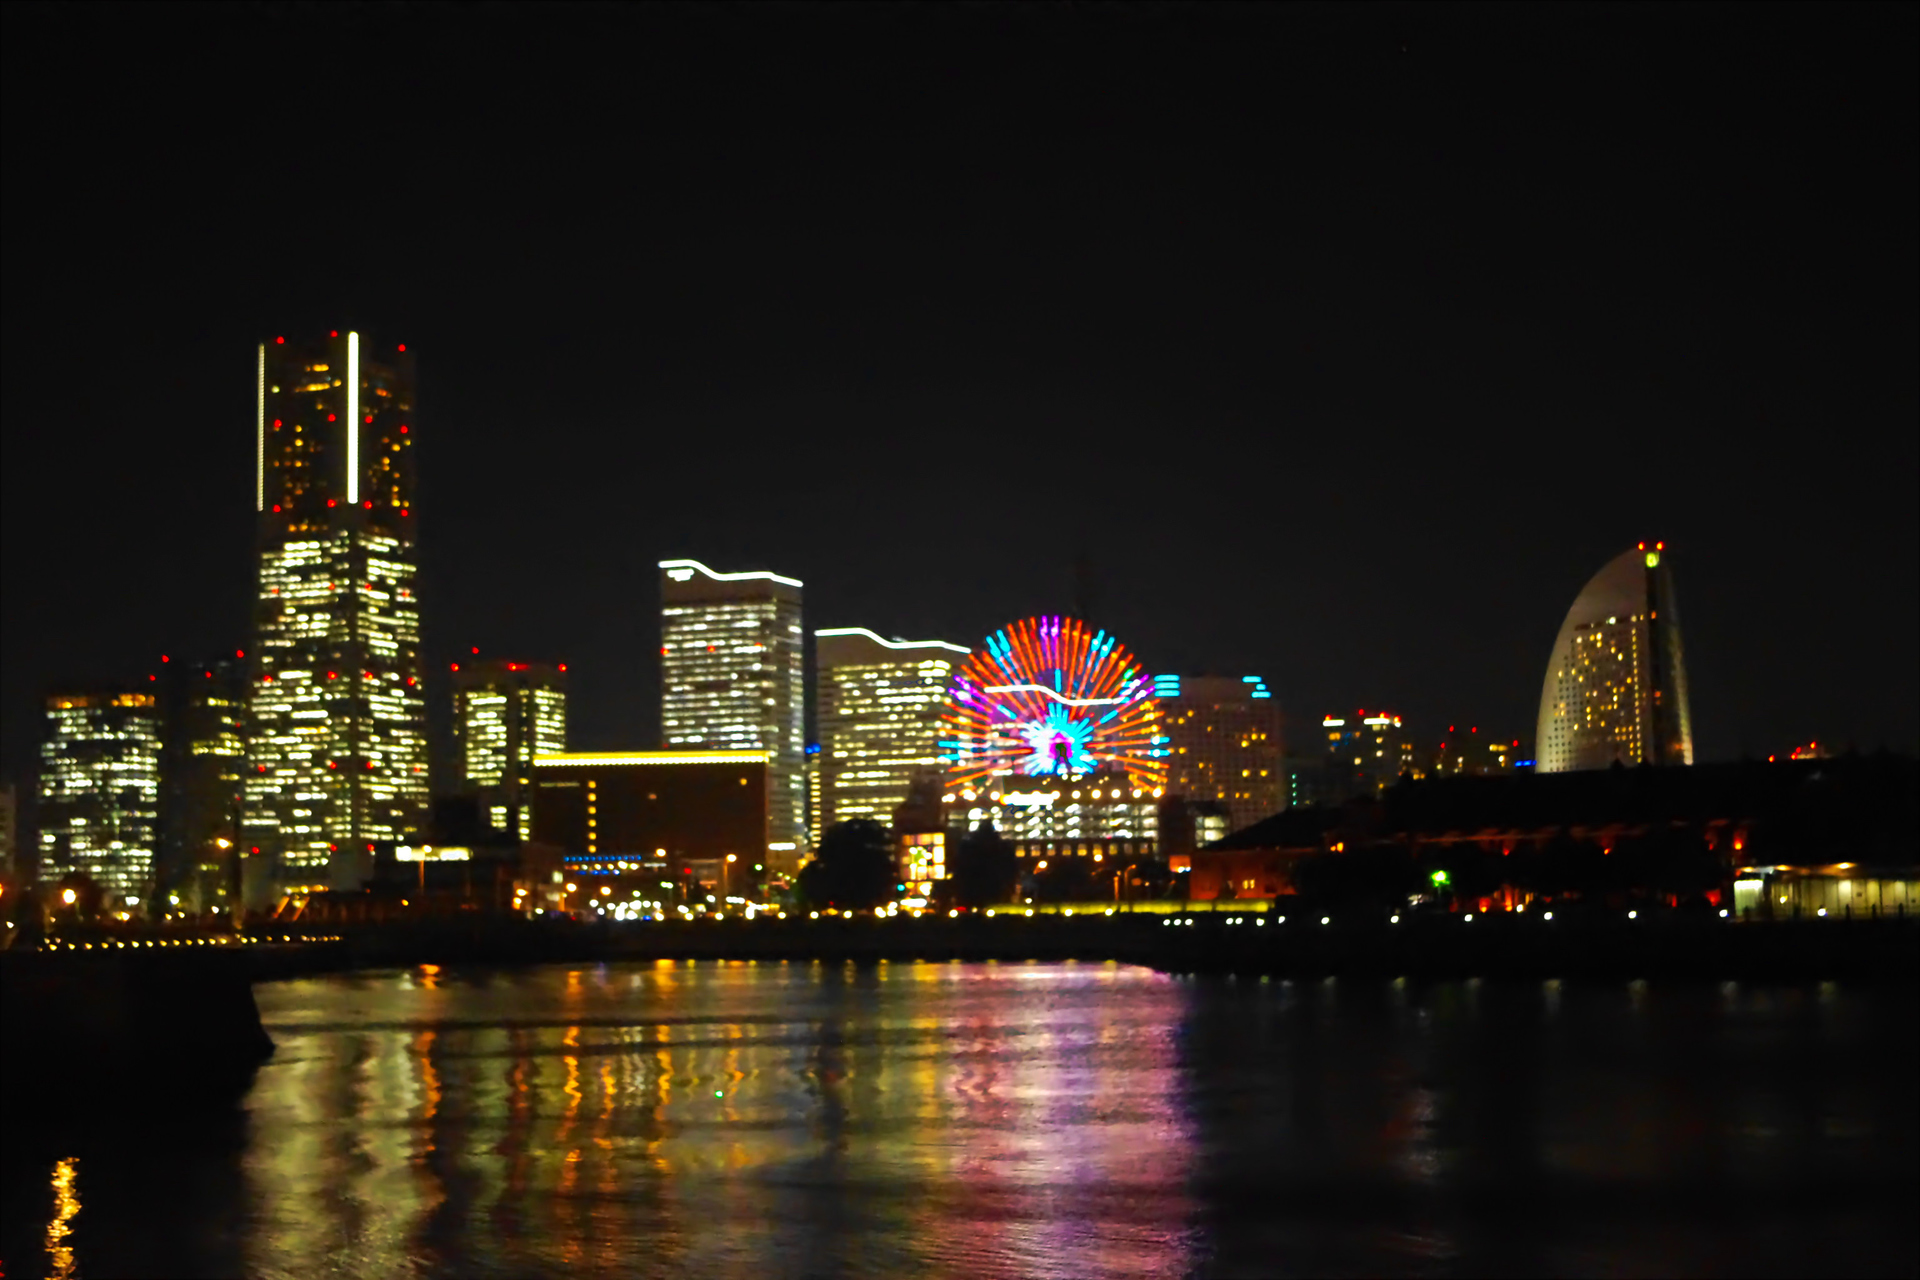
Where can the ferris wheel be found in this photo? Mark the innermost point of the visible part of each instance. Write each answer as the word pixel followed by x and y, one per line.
pixel 1045 697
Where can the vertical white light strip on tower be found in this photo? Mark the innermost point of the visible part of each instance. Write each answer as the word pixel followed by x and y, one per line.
pixel 353 419
pixel 260 433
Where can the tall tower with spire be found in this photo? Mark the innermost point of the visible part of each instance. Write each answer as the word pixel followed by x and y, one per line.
pixel 337 751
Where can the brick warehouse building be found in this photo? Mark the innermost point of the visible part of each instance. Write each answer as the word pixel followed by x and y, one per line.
pixel 1840 829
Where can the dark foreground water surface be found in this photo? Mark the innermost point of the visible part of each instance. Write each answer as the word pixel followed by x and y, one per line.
pixel 1074 1120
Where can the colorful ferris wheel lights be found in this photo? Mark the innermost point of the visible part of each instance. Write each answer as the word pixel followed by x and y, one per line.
pixel 1048 697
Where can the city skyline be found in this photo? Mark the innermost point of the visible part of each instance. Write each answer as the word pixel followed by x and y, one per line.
pixel 455 773
pixel 971 638
pixel 784 397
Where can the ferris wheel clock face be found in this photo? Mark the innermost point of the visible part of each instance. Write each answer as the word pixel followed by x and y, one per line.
pixel 1046 697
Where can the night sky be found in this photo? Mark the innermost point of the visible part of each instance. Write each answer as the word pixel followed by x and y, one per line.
pixel 1342 345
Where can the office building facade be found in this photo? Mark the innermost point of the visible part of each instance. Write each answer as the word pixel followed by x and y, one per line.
pixel 1616 686
pixel 1224 744
pixel 1366 753
pixel 732 678
pixel 880 706
pixel 1468 751
pixel 99 807
pixel 203 779
pixel 337 752
pixel 505 714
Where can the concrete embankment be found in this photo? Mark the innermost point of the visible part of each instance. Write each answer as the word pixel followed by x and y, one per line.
pixel 1448 947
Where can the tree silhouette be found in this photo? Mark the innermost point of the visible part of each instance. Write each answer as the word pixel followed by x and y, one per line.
pixel 984 868
pixel 854 869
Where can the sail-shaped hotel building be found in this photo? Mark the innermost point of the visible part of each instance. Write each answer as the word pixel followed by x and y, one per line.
pixel 1616 689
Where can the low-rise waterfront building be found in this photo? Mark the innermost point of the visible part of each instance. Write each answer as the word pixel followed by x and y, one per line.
pixel 627 820
pixel 1098 816
pixel 1752 839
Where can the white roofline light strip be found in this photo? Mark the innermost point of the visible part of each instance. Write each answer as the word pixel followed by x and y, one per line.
pixel 260 433
pixel 353 419
pixel 891 644
pixel 569 759
pixel 730 577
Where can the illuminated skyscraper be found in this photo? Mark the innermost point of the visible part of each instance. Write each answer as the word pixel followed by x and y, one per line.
pixel 1366 754
pixel 1465 751
pixel 1224 744
pixel 100 790
pixel 880 708
pixel 337 757
pixel 732 679
pixel 504 714
pixel 203 777
pixel 1616 687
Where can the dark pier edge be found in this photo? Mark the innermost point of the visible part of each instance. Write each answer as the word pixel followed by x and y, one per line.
pixel 1501 946
pixel 110 1038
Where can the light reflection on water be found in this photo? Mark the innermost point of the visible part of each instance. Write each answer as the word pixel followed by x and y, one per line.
pixel 1023 1120
pixel 727 1119
pixel 66 1203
